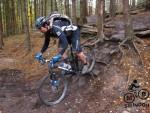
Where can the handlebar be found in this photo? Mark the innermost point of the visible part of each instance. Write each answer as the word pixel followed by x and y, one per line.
pixel 43 61
pixel 46 60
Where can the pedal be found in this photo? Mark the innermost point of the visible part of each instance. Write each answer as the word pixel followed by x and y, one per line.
pixel 65 66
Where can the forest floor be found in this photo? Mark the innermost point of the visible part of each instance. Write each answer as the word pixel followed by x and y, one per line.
pixel 20 73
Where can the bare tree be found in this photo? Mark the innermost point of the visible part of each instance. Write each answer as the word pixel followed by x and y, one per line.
pixel 67 7
pixel 100 15
pixel 83 11
pixel 127 20
pixel 74 11
pixel 45 7
pixel 26 26
pixel 35 9
pixel 112 8
pixel 133 4
pixel 1 28
pixel 119 6
pixel 55 4
pixel 90 7
pixel 147 4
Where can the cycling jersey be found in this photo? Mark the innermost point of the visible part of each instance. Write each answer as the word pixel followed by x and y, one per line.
pixel 59 29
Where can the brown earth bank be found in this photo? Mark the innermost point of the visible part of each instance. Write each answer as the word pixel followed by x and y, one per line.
pixel 115 68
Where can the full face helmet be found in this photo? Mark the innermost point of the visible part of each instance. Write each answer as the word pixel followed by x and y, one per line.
pixel 39 22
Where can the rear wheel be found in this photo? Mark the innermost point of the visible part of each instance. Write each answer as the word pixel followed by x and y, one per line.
pixel 89 52
pixel 49 94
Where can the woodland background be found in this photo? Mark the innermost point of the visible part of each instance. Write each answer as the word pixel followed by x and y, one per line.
pixel 117 30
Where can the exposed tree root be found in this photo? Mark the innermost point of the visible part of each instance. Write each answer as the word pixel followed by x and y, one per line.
pixel 132 47
pixel 131 44
pixel 138 52
pixel 91 42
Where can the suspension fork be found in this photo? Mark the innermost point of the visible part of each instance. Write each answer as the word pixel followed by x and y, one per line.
pixel 52 75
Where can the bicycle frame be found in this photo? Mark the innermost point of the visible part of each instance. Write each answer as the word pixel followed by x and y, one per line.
pixel 74 61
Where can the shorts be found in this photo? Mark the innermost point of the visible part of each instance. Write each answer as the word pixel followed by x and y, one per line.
pixel 74 40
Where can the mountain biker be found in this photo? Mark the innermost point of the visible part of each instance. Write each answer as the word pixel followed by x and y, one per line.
pixel 60 26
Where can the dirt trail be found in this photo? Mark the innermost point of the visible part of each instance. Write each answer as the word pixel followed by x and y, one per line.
pixel 85 96
pixel 102 95
pixel 17 95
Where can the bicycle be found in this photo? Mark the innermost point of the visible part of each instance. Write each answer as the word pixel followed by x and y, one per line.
pixel 53 87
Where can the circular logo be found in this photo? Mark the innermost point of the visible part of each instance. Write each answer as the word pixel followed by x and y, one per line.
pixel 143 94
pixel 129 97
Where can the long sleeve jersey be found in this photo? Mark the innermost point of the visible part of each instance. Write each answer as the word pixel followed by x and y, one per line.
pixel 57 30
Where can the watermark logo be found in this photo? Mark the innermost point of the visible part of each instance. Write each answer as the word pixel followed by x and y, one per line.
pixel 136 92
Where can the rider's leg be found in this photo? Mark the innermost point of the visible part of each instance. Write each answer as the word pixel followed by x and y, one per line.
pixel 75 40
pixel 82 57
pixel 60 47
pixel 64 56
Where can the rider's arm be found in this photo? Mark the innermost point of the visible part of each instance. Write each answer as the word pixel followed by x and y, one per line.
pixel 46 43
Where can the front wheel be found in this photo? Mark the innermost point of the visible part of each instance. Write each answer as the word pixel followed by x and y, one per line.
pixel 49 94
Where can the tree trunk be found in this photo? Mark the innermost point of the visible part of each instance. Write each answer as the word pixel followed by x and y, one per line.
pixel 31 15
pixel 83 11
pixel 45 6
pixel 147 4
pixel 67 7
pixel 100 15
pixel 1 28
pixel 42 7
pixel 22 10
pixel 90 7
pixel 3 18
pixel 51 4
pixel 39 7
pixel 127 20
pixel 55 4
pixel 35 10
pixel 1 35
pixel 13 17
pixel 26 26
pixel 112 8
pixel 133 4
pixel 74 11
pixel 7 15
pixel 96 7
pixel 119 8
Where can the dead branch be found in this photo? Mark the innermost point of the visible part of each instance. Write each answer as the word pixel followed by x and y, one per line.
pixel 88 40
pixel 143 33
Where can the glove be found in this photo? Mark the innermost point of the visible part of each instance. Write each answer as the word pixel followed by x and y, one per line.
pixel 54 60
pixel 38 56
